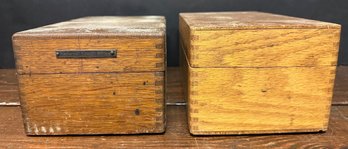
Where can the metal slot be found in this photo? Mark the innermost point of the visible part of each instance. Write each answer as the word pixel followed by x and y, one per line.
pixel 86 54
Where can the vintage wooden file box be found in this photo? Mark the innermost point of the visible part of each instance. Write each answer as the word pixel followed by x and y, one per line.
pixel 93 75
pixel 253 72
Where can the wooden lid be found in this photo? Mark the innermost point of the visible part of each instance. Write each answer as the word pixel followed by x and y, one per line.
pixel 256 39
pixel 248 20
pixel 101 26
pixel 93 44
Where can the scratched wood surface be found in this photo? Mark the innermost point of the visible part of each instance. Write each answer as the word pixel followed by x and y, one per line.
pixel 254 72
pixel 102 103
pixel 177 135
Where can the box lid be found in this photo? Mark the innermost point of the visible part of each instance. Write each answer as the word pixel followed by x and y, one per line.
pixel 257 39
pixel 93 44
pixel 249 20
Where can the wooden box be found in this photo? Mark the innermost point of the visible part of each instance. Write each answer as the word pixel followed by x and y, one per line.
pixel 93 75
pixel 253 72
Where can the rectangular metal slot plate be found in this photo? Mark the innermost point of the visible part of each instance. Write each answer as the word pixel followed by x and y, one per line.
pixel 112 53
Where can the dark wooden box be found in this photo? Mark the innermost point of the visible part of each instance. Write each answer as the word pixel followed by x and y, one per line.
pixel 93 75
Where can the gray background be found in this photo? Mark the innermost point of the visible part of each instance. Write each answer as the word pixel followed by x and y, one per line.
pixel 17 15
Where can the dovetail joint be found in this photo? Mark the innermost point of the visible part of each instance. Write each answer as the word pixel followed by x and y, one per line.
pixel 194 127
pixel 159 65
pixel 159 91
pixel 159 55
pixel 193 93
pixel 159 74
pixel 194 37
pixel 193 102
pixel 193 110
pixel 159 46
pixel 194 83
pixel 158 82
pixel 159 101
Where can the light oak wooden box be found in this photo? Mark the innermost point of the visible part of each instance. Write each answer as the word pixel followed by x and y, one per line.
pixel 253 72
pixel 93 75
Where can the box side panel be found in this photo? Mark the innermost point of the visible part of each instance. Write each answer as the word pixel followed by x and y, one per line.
pixel 259 100
pixel 265 48
pixel 93 103
pixel 185 37
pixel 132 55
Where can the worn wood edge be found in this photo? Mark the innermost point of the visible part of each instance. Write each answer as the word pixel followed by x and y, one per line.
pixel 328 25
pixel 189 100
pixel 23 107
pixel 19 35
pixel 161 121
pixel 258 132
pixel 159 32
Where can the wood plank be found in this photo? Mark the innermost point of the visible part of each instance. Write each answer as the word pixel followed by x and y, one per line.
pixel 264 48
pixel 176 136
pixel 93 103
pixel 268 100
pixel 8 87
pixel 340 96
pixel 174 86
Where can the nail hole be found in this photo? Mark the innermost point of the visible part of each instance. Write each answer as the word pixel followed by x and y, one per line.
pixel 137 112
pixel 113 93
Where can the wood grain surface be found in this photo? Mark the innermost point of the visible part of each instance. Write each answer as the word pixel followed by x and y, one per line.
pixel 238 47
pixel 249 20
pixel 12 132
pixel 252 72
pixel 101 26
pixel 102 103
pixel 39 55
pixel 267 100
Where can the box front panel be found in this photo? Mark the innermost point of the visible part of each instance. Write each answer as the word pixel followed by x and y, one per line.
pixel 132 54
pixel 93 103
pixel 259 100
